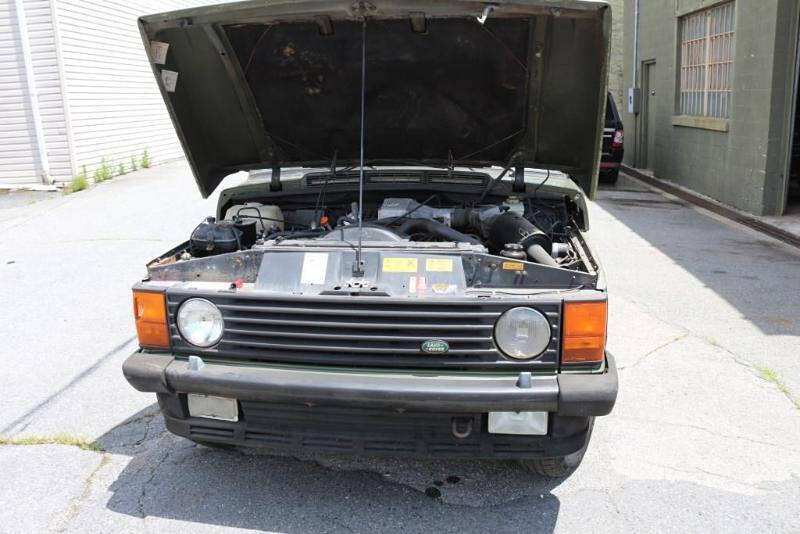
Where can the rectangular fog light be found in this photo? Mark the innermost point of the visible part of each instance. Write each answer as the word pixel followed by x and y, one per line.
pixel 213 407
pixel 528 423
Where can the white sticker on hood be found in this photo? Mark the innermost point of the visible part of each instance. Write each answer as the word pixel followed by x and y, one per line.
pixel 158 51
pixel 170 79
pixel 315 265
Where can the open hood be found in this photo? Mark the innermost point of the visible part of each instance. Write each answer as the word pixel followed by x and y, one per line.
pixel 278 84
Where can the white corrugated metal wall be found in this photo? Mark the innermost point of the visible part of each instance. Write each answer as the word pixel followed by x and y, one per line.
pixel 38 14
pixel 95 91
pixel 19 158
pixel 115 108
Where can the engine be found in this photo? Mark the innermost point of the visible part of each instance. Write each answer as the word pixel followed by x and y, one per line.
pixel 531 230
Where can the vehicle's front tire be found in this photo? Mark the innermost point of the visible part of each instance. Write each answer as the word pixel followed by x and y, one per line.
pixel 212 445
pixel 559 467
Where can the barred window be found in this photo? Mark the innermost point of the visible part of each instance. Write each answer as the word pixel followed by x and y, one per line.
pixel 707 48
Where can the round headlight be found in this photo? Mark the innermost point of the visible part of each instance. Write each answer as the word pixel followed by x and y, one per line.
pixel 522 333
pixel 200 322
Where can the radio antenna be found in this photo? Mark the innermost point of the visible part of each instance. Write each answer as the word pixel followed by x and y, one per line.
pixel 358 266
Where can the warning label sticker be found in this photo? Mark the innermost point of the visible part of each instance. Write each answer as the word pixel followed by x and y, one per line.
pixel 158 51
pixel 417 285
pixel 513 266
pixel 170 80
pixel 315 265
pixel 399 265
pixel 439 265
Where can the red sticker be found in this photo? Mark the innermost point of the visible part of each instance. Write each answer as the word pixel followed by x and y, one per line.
pixel 421 284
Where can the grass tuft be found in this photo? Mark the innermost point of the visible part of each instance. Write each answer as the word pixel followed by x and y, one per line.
pixel 79 183
pixel 146 159
pixel 103 172
pixel 58 439
pixel 770 375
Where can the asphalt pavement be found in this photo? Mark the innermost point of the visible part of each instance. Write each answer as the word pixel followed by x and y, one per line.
pixel 704 322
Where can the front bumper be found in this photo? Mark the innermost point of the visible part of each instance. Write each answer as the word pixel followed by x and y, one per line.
pixel 368 412
pixel 566 394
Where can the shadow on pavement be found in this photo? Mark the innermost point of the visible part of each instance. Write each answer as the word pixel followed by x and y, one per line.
pixel 172 478
pixel 755 275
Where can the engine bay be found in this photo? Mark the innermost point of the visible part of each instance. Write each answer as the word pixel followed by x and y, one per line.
pixel 519 228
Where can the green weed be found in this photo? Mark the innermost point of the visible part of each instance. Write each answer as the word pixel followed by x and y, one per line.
pixel 58 439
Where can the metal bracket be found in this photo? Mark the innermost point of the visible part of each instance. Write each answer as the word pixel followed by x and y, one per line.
pixel 485 14
pixel 450 164
pixel 519 179
pixel 275 180
pixel 196 363
pixel 333 163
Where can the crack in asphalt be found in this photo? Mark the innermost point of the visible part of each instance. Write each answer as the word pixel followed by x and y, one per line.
pixel 24 418
pixel 733 356
pixel 73 508
pixel 148 419
pixel 753 485
pixel 708 431
pixel 653 351
pixel 153 472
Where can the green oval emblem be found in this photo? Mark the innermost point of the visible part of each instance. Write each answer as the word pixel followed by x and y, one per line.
pixel 435 346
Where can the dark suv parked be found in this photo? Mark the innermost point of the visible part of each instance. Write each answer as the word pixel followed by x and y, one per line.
pixel 613 143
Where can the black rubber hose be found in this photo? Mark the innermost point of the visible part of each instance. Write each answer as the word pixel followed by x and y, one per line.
pixel 436 228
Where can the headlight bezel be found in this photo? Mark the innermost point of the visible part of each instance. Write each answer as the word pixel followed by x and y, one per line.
pixel 543 342
pixel 181 326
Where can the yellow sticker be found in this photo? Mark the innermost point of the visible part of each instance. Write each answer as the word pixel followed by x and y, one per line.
pixel 399 265
pixel 513 266
pixel 439 265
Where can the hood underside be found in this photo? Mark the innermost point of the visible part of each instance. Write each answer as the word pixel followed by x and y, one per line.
pixel 279 84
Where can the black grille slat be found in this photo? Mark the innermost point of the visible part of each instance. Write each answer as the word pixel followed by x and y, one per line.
pixel 354 337
pixel 372 348
pixel 357 313
pixel 359 325
pixel 211 432
pixel 365 332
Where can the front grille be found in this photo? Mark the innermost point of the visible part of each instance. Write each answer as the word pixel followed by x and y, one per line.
pixel 362 331
pixel 201 432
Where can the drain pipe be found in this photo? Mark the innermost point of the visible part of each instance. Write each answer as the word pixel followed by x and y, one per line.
pixel 635 96
pixel 635 44
pixel 33 97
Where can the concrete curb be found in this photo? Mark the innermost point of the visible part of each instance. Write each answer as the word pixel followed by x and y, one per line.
pixel 28 187
pixel 751 221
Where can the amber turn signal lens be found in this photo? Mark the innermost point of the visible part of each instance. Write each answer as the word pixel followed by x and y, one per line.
pixel 584 332
pixel 150 314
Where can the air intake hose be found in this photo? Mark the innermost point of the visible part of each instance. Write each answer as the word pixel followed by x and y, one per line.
pixel 510 227
pixel 436 228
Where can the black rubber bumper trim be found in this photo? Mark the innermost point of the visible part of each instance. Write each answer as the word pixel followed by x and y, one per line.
pixel 566 394
pixel 146 371
pixel 583 395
